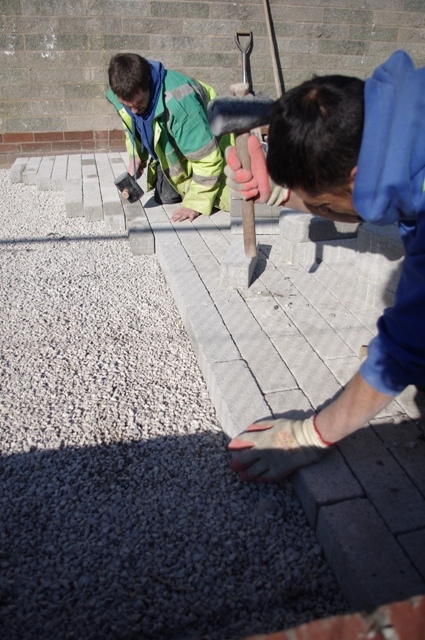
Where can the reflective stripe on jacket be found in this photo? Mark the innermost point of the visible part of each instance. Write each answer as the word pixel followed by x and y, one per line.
pixel 192 159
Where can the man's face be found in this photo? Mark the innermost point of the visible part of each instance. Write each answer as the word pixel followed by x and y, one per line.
pixel 139 102
pixel 333 206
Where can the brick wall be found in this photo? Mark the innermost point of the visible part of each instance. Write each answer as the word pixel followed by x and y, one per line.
pixel 54 55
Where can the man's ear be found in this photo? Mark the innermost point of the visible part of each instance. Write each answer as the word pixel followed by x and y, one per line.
pixel 353 173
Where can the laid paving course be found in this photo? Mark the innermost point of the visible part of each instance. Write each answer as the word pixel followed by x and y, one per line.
pixel 284 345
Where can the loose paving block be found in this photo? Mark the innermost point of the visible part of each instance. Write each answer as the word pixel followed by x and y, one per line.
pixel 236 268
pixel 74 205
pixel 59 173
pixel 380 255
pixel 17 169
pixel 369 564
pixel 263 226
pixel 93 209
pixel 74 167
pixel 29 175
pixel 299 227
pixel 140 235
pixel 43 178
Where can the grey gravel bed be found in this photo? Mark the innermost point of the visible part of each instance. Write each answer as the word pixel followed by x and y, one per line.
pixel 119 516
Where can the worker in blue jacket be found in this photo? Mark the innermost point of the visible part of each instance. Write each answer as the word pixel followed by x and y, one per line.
pixel 351 151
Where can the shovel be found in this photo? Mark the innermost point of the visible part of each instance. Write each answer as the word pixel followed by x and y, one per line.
pixel 244 49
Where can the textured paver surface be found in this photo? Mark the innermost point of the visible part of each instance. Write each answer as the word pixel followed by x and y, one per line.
pixel 285 345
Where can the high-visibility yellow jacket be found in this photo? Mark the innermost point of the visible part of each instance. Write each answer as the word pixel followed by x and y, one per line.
pixel 191 158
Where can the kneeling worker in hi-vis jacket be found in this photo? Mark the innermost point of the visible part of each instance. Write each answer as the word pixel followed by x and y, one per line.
pixel 352 151
pixel 167 131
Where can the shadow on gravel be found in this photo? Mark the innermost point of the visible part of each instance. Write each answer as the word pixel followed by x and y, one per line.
pixel 152 539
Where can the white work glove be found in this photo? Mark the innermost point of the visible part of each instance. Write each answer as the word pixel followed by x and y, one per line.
pixel 272 449
pixel 255 184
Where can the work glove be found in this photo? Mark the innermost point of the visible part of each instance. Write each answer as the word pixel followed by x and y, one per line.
pixel 255 184
pixel 272 449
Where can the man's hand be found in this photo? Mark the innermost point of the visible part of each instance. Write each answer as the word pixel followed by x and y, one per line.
pixel 256 183
pixel 135 162
pixel 272 449
pixel 184 214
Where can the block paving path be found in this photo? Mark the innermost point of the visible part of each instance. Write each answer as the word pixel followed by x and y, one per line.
pixel 283 346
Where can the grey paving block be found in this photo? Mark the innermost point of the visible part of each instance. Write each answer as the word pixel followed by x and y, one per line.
pixel 236 396
pixel 255 346
pixel 185 284
pixel 406 443
pixel 141 238
pixel 59 173
pixel 92 201
pixel 270 316
pixel 312 253
pixel 236 268
pixel 17 169
pixel 413 544
pixel 308 369
pixel 29 174
pixel 43 178
pixel 261 210
pixel 369 564
pixel 299 227
pixel 327 482
pixel 385 482
pixel 263 226
pixel 292 404
pixel 412 402
pixel 74 206
pixel 191 239
pixel 209 270
pixel 74 167
pixel 383 240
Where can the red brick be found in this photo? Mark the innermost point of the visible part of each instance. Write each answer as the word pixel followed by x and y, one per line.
pixel 116 134
pixel 6 148
pixel 350 627
pixel 280 635
pixel 40 147
pixel 101 135
pixel 78 135
pixel 48 136
pixel 18 137
pixel 407 618
pixel 117 145
pixel 66 146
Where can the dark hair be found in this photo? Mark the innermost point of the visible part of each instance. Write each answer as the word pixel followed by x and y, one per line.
pixel 128 72
pixel 315 134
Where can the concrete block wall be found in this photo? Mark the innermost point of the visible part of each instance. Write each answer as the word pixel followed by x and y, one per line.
pixel 54 55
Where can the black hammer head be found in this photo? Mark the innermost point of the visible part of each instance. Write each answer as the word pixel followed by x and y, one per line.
pixel 236 115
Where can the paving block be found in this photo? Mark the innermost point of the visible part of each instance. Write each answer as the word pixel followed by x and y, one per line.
pixel 369 564
pixel 59 173
pixel 43 178
pixel 261 210
pixel 380 255
pixel 74 167
pixel 140 235
pixel 29 174
pixel 403 620
pixel 237 399
pixel 327 482
pixel 17 169
pixel 299 227
pixel 255 346
pixel 414 545
pixel 387 485
pixel 263 226
pixel 236 268
pixel 74 205
pixel 92 201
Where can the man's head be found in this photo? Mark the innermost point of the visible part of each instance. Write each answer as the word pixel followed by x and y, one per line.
pixel 314 143
pixel 129 78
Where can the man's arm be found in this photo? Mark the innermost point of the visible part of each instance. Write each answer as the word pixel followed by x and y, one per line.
pixel 353 408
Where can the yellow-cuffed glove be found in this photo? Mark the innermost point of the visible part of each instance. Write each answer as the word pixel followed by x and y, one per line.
pixel 269 450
